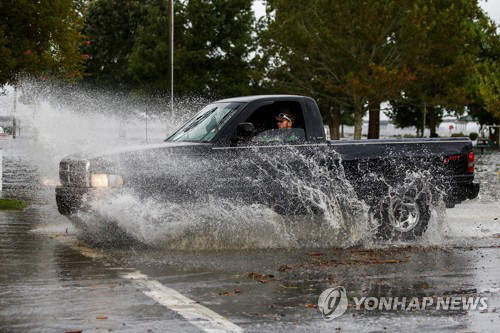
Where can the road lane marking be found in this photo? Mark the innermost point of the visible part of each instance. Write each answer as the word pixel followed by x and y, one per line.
pixel 195 313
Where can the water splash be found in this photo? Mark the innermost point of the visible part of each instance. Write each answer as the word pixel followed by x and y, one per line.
pixel 315 183
pixel 66 121
pixel 214 224
pixel 330 214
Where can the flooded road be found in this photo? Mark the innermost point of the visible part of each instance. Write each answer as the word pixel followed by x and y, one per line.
pixel 53 280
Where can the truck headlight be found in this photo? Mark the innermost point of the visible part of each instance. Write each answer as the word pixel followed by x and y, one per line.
pixel 102 180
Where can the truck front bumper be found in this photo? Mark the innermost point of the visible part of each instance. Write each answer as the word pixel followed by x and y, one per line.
pixel 69 199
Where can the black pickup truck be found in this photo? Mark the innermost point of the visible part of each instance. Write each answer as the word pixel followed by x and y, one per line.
pixel 233 149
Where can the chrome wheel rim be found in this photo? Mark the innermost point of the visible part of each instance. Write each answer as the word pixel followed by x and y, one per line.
pixel 404 215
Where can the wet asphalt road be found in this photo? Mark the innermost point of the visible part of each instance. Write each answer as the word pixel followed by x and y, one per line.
pixel 52 281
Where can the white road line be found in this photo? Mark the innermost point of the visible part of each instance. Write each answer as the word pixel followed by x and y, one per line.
pixel 198 315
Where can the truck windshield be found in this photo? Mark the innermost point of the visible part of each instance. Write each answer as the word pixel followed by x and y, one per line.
pixel 206 123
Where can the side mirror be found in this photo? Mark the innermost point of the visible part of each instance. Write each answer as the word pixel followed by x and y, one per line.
pixel 245 130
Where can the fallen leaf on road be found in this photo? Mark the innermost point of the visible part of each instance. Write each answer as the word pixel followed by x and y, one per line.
pixel 261 277
pixel 288 287
pixel 258 314
pixel 230 293
pixel 101 317
pixel 283 268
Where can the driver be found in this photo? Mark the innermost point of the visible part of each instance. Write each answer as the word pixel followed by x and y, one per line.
pixel 285 120
pixel 285 133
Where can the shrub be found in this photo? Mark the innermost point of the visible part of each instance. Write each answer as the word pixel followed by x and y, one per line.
pixel 9 204
pixel 473 136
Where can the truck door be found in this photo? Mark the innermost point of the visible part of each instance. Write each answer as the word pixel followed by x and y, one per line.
pixel 261 168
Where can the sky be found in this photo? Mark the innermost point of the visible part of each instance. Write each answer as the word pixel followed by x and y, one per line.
pixel 491 7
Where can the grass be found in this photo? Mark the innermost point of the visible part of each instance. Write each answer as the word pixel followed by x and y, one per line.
pixel 10 204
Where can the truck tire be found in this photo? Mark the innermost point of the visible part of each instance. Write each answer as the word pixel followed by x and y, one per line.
pixel 404 217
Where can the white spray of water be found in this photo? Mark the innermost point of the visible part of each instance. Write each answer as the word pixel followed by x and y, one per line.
pixel 214 224
pixel 64 122
pixel 319 185
pixel 326 210
pixel 59 120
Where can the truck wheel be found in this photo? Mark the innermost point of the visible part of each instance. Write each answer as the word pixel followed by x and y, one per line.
pixel 403 218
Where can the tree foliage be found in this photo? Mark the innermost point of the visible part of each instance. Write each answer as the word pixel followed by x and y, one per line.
pixel 111 27
pixel 217 45
pixel 39 38
pixel 434 55
pixel 443 60
pixel 344 51
pixel 419 54
pixel 129 45
pixel 488 62
pixel 490 88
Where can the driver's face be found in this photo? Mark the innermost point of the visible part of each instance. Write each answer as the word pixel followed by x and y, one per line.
pixel 283 123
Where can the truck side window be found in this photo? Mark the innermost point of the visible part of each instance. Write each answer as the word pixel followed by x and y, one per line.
pixel 266 124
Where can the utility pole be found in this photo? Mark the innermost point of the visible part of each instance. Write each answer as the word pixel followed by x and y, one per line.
pixel 14 125
pixel 171 56
pixel 147 125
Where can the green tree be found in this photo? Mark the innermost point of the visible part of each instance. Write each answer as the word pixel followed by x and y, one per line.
pixel 111 27
pixel 342 50
pixel 148 64
pixel 490 88
pixel 217 45
pixel 442 56
pixel 488 62
pixel 39 38
pixel 405 113
pixel 213 42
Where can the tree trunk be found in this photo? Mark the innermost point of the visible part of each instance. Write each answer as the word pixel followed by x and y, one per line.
pixel 374 121
pixel 358 121
pixel 334 123
pixel 432 122
pixel 424 119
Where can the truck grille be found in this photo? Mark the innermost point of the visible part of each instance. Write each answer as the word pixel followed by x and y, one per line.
pixel 74 172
